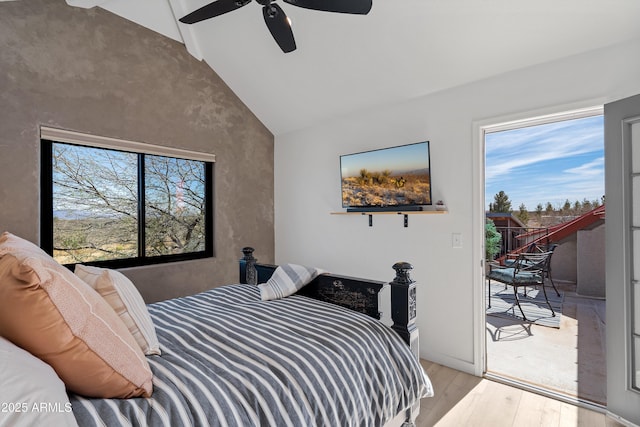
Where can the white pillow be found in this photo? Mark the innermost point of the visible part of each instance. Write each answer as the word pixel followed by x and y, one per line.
pixel 287 280
pixel 32 393
pixel 124 298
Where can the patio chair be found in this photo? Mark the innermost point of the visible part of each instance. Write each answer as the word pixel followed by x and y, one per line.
pixel 529 269
pixel 535 248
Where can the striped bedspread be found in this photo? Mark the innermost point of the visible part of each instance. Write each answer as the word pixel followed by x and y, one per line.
pixel 229 359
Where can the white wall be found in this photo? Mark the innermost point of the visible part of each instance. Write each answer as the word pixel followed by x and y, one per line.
pixel 307 187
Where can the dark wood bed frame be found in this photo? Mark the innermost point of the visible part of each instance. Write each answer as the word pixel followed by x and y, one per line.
pixel 357 294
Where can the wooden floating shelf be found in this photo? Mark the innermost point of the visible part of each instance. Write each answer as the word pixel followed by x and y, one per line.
pixel 390 213
pixel 405 214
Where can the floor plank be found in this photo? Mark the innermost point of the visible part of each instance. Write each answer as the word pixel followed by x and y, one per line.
pixel 536 410
pixel 466 400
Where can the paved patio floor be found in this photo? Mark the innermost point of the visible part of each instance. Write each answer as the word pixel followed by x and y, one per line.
pixel 570 360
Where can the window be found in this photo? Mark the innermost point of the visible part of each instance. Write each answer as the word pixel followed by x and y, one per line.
pixel 114 205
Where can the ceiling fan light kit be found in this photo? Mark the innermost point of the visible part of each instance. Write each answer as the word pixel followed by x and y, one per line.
pixel 275 18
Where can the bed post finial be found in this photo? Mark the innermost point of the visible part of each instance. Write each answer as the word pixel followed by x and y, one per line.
pixel 403 306
pixel 402 272
pixel 248 272
pixel 248 252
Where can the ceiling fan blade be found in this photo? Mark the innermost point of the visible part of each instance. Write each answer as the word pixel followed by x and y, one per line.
pixel 279 26
pixel 358 7
pixel 214 9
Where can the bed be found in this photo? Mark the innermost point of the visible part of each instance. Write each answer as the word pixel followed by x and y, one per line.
pixel 318 357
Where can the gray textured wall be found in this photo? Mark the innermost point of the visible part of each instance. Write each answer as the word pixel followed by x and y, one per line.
pixel 591 262
pixel 564 261
pixel 94 72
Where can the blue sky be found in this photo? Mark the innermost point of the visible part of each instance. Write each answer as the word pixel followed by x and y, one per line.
pixel 397 159
pixel 547 163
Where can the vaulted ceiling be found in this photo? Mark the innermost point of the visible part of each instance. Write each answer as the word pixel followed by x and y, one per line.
pixel 402 49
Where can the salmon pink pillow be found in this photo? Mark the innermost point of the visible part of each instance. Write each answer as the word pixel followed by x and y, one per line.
pixel 50 312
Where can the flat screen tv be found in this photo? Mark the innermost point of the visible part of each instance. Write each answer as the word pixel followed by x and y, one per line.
pixel 395 178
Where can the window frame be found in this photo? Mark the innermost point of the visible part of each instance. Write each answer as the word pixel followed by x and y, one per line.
pixel 46 199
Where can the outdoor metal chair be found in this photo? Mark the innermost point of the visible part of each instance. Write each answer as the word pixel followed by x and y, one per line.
pixel 529 269
pixel 535 248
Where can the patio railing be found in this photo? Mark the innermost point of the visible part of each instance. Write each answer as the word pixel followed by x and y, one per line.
pixel 514 238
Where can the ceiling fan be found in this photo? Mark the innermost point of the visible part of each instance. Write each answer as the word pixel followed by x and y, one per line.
pixel 277 21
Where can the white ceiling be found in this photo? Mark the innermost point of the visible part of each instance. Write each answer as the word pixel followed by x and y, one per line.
pixel 402 49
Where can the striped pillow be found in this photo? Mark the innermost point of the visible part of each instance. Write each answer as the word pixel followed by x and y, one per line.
pixel 287 280
pixel 126 301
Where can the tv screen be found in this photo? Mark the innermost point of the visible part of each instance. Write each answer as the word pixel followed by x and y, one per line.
pixel 390 178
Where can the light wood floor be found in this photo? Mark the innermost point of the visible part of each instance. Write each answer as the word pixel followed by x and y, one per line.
pixel 463 400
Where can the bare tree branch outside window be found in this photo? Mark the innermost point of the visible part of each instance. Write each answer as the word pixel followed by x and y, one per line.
pixel 95 204
pixel 174 205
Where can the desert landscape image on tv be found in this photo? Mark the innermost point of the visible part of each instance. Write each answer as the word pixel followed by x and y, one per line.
pixel 390 177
